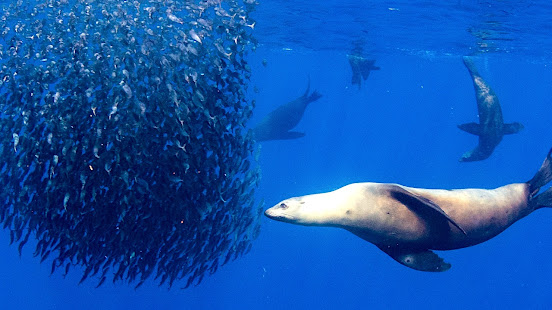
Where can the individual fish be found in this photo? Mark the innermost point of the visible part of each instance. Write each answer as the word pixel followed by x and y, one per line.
pixel 15 141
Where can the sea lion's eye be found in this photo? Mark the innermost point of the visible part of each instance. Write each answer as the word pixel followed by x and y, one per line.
pixel 283 206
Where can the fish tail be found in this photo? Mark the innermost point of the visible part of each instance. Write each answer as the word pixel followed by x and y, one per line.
pixel 541 178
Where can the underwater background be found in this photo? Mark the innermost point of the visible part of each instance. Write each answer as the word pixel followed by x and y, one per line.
pixel 400 126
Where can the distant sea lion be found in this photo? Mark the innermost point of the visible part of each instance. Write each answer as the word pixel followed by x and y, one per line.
pixel 361 67
pixel 491 127
pixel 278 123
pixel 407 223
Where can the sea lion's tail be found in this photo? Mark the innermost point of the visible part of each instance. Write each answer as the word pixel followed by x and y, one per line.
pixel 541 178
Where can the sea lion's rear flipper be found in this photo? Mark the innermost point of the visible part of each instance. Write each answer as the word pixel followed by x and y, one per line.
pixel 315 95
pixel 421 205
pixel 290 135
pixel 468 62
pixel 422 260
pixel 308 89
pixel 541 178
pixel 512 128
pixel 312 97
pixel 543 200
pixel 473 128
pixel 356 78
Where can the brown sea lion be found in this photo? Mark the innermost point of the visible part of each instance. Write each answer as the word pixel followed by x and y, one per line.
pixel 278 123
pixel 407 223
pixel 491 127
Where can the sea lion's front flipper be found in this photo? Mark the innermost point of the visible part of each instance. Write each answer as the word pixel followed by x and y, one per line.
pixel 366 66
pixel 473 128
pixel 511 128
pixel 422 260
pixel 289 135
pixel 421 205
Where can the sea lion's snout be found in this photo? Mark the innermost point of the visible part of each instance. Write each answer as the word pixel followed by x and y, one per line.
pixel 467 157
pixel 281 212
pixel 275 212
pixel 269 213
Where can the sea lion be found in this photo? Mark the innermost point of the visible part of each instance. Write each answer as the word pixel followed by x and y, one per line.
pixel 491 127
pixel 361 67
pixel 278 123
pixel 408 223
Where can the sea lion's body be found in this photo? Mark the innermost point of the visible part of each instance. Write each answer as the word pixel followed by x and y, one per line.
pixel 407 223
pixel 491 127
pixel 481 213
pixel 277 124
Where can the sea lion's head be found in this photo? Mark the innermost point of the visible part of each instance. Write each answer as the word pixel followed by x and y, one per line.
pixel 478 153
pixel 288 211
pixel 467 156
pixel 310 210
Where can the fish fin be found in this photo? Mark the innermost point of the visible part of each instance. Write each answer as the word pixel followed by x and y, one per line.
pixel 512 128
pixel 542 177
pixel 421 205
pixel 473 128
pixel 417 259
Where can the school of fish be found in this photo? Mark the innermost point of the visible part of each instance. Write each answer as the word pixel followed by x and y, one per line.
pixel 123 144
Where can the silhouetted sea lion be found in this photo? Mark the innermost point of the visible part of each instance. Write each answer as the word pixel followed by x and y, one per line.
pixel 407 223
pixel 361 67
pixel 278 123
pixel 491 127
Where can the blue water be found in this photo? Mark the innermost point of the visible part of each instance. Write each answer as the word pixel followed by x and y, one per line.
pixel 399 127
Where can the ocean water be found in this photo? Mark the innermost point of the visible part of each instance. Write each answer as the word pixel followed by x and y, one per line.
pixel 399 127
